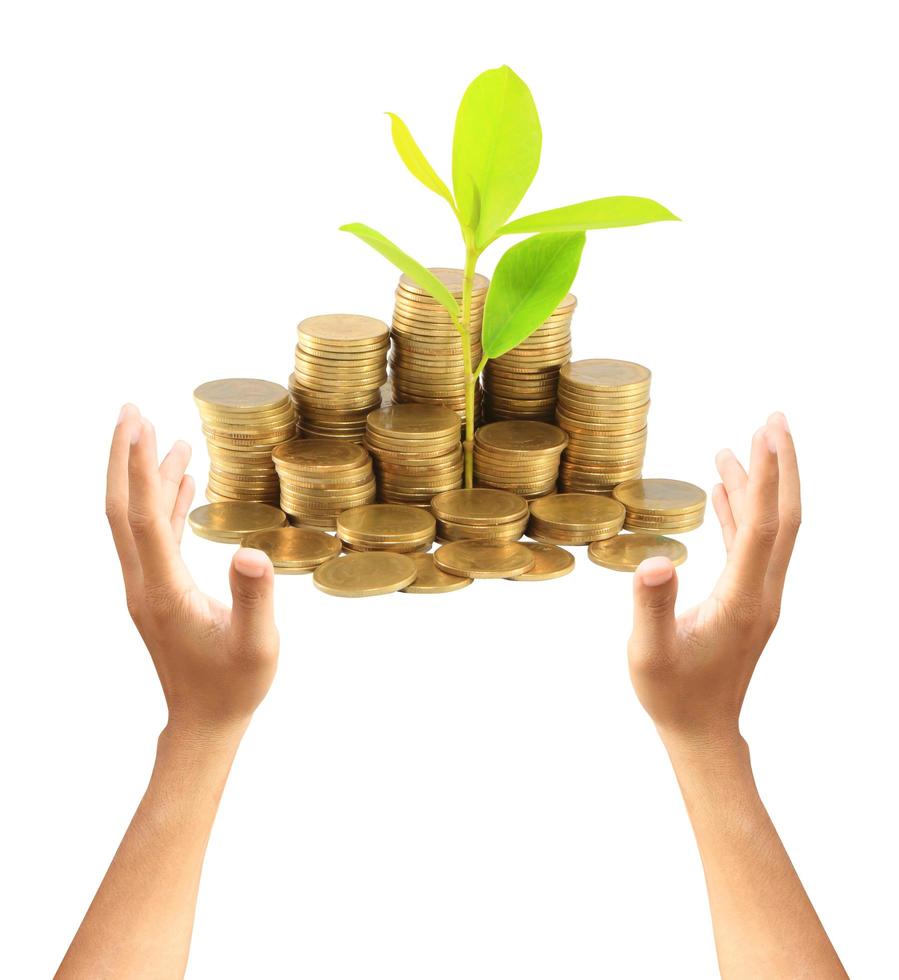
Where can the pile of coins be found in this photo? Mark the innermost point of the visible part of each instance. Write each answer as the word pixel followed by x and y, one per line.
pixel 322 477
pixel 519 456
pixel 294 550
pixel 416 450
pixel 479 514
pixel 386 527
pixel 575 518
pixel 426 360
pixel 669 506
pixel 522 383
pixel 231 521
pixel 340 366
pixel 243 420
pixel 625 552
pixel 485 559
pixel 602 405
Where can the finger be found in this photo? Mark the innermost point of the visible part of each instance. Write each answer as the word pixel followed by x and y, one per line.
pixel 252 589
pixel 171 471
pixel 117 495
pixel 747 566
pixel 725 515
pixel 789 504
pixel 150 526
pixel 182 506
pixel 734 478
pixel 655 593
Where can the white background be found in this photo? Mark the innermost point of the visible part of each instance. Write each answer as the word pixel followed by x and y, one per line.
pixel 461 785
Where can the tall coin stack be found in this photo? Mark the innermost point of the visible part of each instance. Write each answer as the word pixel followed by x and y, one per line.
pixel 426 360
pixel 340 365
pixel 520 456
pixel 603 406
pixel 417 452
pixel 522 383
pixel 322 477
pixel 244 419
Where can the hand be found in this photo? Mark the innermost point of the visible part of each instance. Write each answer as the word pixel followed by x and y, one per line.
pixel 215 664
pixel 691 673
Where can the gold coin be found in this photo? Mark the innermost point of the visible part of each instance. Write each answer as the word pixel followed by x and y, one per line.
pixel 601 374
pixel 448 531
pixel 385 522
pixel 630 525
pixel 525 437
pixel 480 506
pixel 429 579
pixel 452 279
pixel 663 497
pixel 295 547
pixel 343 330
pixel 239 395
pixel 576 512
pixel 551 562
pixel 624 552
pixel 365 573
pixel 484 559
pixel 320 455
pixel 233 520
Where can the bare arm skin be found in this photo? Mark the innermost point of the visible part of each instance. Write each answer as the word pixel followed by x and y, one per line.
pixel 215 665
pixel 691 675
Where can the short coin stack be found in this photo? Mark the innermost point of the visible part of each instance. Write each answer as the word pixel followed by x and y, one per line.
pixel 602 405
pixel 340 365
pixel 479 514
pixel 386 527
pixel 519 456
pixel 231 521
pixel 575 518
pixel 522 383
pixel 294 550
pixel 661 506
pixel 322 477
pixel 427 349
pixel 416 450
pixel 244 419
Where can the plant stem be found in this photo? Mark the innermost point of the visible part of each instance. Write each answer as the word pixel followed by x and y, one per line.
pixel 471 376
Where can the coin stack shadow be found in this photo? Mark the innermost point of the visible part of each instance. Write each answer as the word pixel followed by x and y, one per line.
pixel 417 452
pixel 340 365
pixel 322 477
pixel 426 360
pixel 522 383
pixel 243 420
pixel 518 455
pixel 603 406
pixel 479 514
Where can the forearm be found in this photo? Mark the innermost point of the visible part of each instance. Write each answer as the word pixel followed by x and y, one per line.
pixel 765 926
pixel 140 921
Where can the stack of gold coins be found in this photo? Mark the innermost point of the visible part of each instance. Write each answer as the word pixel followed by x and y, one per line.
pixel 244 419
pixel 575 518
pixel 417 452
pixel 386 527
pixel 340 366
pixel 294 550
pixel 602 405
pixel 522 383
pixel 426 360
pixel 519 456
pixel 661 506
pixel 479 513
pixel 322 477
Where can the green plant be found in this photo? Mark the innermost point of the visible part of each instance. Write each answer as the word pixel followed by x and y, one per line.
pixel 496 152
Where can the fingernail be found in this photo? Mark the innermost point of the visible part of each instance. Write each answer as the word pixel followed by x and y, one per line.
pixel 771 439
pixel 783 421
pixel 656 571
pixel 250 562
pixel 723 454
pixel 136 433
pixel 123 411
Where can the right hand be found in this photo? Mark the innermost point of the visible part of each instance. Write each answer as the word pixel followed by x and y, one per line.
pixel 215 664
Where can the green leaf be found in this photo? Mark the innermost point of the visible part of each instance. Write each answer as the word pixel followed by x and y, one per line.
pixel 405 263
pixel 496 147
pixel 602 212
pixel 415 160
pixel 530 281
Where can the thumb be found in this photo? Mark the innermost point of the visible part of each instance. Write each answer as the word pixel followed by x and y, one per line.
pixel 252 589
pixel 655 592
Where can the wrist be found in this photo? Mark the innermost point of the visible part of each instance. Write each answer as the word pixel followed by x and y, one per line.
pixel 723 752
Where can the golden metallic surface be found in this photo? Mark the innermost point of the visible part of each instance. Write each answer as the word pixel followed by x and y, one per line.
pixel 451 278
pixel 533 438
pixel 576 512
pixel 376 523
pixel 320 455
pixel 601 374
pixel 666 498
pixel 240 395
pixel 431 580
pixel 551 562
pixel 479 506
pixel 414 422
pixel 449 531
pixel 232 521
pixel 343 329
pixel 484 559
pixel 624 552
pixel 365 573
pixel 294 547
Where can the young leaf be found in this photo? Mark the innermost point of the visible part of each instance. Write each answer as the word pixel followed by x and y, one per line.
pixel 602 212
pixel 496 146
pixel 405 263
pixel 415 160
pixel 530 281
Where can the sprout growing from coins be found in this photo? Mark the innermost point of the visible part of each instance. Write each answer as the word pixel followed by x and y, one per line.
pixel 496 152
